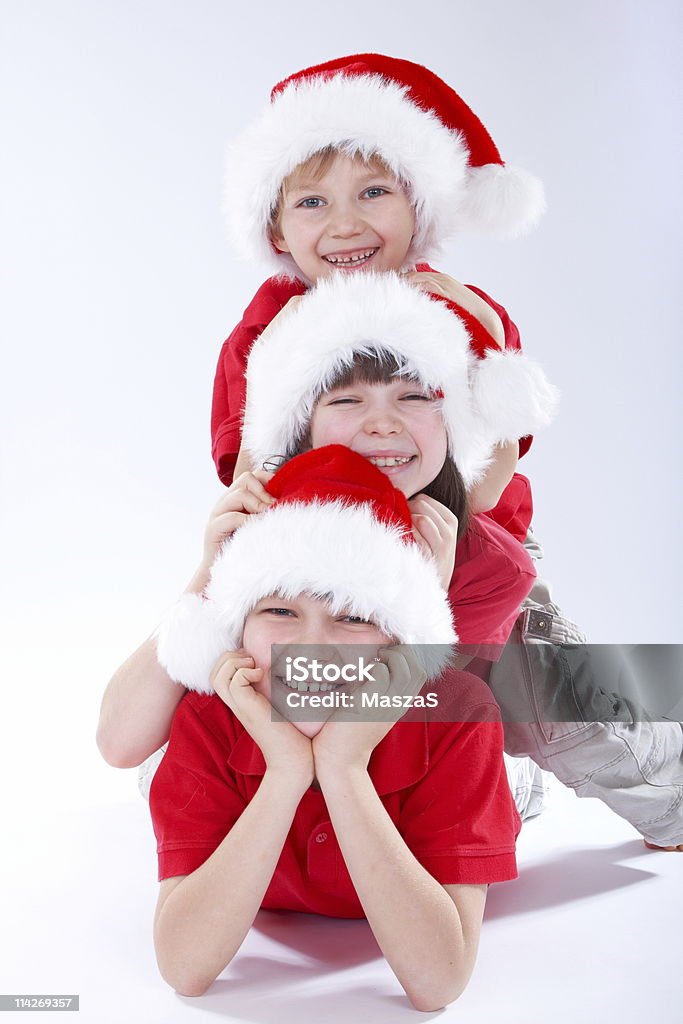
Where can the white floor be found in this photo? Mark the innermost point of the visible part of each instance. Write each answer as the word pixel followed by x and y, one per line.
pixel 590 931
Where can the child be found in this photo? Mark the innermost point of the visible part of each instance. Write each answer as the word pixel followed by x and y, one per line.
pixel 492 572
pixel 368 162
pixel 405 824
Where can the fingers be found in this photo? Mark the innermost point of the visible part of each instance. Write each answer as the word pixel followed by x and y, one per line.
pixel 428 530
pixel 427 282
pixel 227 665
pixel 425 505
pixel 223 526
pixel 246 494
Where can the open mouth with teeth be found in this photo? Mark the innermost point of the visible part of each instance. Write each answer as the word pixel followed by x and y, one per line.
pixel 350 260
pixel 390 461
pixel 309 687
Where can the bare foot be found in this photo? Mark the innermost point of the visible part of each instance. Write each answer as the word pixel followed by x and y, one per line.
pixel 669 849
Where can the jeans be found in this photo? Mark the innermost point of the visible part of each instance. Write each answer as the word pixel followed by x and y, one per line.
pixel 551 700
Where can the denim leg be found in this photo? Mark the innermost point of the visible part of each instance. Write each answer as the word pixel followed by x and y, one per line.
pixel 551 696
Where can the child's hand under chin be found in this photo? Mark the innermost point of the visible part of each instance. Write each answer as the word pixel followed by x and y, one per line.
pixel 285 750
pixel 347 745
pixel 435 529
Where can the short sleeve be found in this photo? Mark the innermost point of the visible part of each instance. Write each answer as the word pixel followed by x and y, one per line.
pixel 493 575
pixel 194 800
pixel 229 388
pixel 459 820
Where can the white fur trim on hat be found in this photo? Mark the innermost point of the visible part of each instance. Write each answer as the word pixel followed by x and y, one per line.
pixel 295 360
pixel 512 396
pixel 364 114
pixel 338 552
pixel 501 200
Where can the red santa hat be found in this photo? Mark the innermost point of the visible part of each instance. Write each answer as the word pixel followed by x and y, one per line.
pixel 371 104
pixel 489 397
pixel 339 531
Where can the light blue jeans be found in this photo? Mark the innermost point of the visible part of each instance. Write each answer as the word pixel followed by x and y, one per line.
pixel 633 766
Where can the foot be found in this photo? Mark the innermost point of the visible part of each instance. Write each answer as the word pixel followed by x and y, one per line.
pixel 669 849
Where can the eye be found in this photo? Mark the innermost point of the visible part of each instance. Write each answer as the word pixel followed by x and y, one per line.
pixel 375 192
pixel 279 612
pixel 311 203
pixel 356 620
pixel 417 396
pixel 346 400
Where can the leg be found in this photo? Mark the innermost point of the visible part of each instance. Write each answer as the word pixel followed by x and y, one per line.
pixel 634 766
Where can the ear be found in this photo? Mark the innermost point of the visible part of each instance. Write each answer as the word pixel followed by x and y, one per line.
pixel 279 241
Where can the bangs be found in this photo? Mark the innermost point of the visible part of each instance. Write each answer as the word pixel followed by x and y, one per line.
pixel 371 368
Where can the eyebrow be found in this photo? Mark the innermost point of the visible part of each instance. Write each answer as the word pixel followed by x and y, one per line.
pixel 314 186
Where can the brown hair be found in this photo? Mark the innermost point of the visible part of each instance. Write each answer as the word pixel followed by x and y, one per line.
pixel 448 486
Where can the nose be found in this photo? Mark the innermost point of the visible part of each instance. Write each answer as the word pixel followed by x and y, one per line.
pixel 345 221
pixel 384 422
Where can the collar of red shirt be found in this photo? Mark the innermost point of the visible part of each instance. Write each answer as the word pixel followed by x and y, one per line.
pixel 400 760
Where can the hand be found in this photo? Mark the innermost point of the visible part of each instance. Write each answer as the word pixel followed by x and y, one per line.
pixel 286 311
pixel 245 495
pixel 441 284
pixel 435 530
pixel 437 284
pixel 343 743
pixel 284 748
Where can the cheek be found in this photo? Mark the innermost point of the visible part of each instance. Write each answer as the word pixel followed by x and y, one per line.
pixel 326 428
pixel 432 439
pixel 256 642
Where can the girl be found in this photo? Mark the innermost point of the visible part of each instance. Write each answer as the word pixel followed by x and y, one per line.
pixel 405 824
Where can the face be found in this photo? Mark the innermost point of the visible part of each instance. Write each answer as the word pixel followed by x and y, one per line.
pixel 397 426
pixel 304 620
pixel 353 217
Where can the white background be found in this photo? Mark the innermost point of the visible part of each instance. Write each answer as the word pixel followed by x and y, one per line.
pixel 118 287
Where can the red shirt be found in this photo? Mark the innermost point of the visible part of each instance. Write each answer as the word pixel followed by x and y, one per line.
pixel 515 508
pixel 442 783
pixel 493 575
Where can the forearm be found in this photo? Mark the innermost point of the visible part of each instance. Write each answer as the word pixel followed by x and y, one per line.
pixel 414 920
pixel 486 494
pixel 205 919
pixel 139 702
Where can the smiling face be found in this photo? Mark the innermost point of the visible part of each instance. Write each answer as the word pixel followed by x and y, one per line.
pixel 304 620
pixel 347 217
pixel 397 425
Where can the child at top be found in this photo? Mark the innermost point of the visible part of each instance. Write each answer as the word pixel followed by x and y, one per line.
pixel 403 823
pixel 370 163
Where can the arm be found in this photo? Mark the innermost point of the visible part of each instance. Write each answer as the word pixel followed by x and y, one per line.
pixel 404 904
pixel 428 933
pixel 141 698
pixel 487 492
pixel 202 918
pixel 229 382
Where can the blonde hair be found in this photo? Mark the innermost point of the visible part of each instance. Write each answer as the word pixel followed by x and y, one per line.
pixel 318 164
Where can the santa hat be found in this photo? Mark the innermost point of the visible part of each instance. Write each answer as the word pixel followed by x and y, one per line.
pixel 370 104
pixel 489 396
pixel 339 531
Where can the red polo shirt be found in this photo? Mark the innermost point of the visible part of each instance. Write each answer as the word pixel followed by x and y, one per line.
pixel 443 784
pixel 493 575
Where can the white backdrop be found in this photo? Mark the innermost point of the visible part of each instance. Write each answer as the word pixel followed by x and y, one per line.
pixel 118 287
